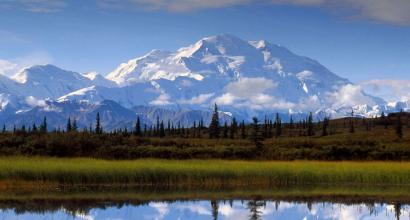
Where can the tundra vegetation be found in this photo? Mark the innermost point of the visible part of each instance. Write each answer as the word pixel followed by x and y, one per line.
pixel 351 138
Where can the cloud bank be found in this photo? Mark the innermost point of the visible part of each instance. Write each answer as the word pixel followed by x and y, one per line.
pixel 35 6
pixel 390 90
pixel 387 11
pixel 15 65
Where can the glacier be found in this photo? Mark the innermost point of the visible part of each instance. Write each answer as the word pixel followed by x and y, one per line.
pixel 245 78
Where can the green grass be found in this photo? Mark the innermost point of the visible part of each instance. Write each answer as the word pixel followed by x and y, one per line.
pixel 202 173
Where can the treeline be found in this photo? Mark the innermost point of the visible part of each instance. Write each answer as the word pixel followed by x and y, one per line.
pixel 381 138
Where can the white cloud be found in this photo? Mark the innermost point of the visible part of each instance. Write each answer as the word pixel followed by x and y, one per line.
pixel 34 102
pixel 225 99
pixel 249 87
pixel 349 95
pixel 162 99
pixel 197 100
pixel 35 6
pixel 389 11
pixel 390 90
pixel 253 93
pixel 12 66
pixel 6 67
pixel 162 209
pixel 195 208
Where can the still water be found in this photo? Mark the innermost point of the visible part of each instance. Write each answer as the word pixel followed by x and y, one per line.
pixel 201 209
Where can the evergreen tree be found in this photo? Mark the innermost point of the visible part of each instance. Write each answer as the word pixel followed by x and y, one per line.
pixel 43 126
pixel 399 125
pixel 384 120
pixel 352 129
pixel 278 126
pixel 214 126
pixel 256 135
pixel 4 128
pixel 23 128
pixel 265 127
pixel 215 207
pixel 145 129
pixel 98 128
pixel 310 127
pixel 156 131
pixel 325 125
pixel 74 127
pixel 137 129
pixel 291 122
pixel 169 125
pixel 68 125
pixel 233 128
pixel 161 130
pixel 225 130
pixel 243 130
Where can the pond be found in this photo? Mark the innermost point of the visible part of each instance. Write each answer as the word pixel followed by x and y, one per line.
pixel 202 209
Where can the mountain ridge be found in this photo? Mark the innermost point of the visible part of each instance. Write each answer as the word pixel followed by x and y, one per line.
pixel 245 78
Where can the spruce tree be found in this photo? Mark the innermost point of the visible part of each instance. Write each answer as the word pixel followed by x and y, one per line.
pixel 233 128
pixel 243 130
pixel 226 130
pixel 325 126
pixel 161 130
pixel 399 125
pixel 43 126
pixel 4 128
pixel 310 128
pixel 74 127
pixel 137 129
pixel 68 129
pixel 157 127
pixel 214 126
pixel 256 135
pixel 352 129
pixel 384 120
pixel 278 126
pixel 265 127
pixel 215 207
pixel 98 128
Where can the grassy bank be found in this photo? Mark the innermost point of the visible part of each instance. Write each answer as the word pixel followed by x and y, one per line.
pixel 201 173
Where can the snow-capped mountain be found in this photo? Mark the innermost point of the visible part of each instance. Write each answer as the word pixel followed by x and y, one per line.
pixel 49 81
pixel 245 78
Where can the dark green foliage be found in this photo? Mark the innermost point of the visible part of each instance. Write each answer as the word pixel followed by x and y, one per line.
pixel 278 126
pixel 214 126
pixel 225 130
pixel 98 127
pixel 215 208
pixel 256 136
pixel 74 126
pixel 161 130
pixel 233 128
pixel 325 126
pixel 399 125
pixel 310 126
pixel 298 140
pixel 243 130
pixel 68 128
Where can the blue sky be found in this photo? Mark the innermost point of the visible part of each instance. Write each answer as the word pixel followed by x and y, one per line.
pixel 360 41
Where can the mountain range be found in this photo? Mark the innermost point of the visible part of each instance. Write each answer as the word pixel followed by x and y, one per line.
pixel 245 78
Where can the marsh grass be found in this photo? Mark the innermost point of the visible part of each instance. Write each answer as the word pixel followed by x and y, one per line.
pixel 201 173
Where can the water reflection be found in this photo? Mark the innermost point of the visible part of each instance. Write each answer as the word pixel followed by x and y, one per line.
pixel 222 210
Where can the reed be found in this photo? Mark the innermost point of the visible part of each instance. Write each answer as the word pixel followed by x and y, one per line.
pixel 201 173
